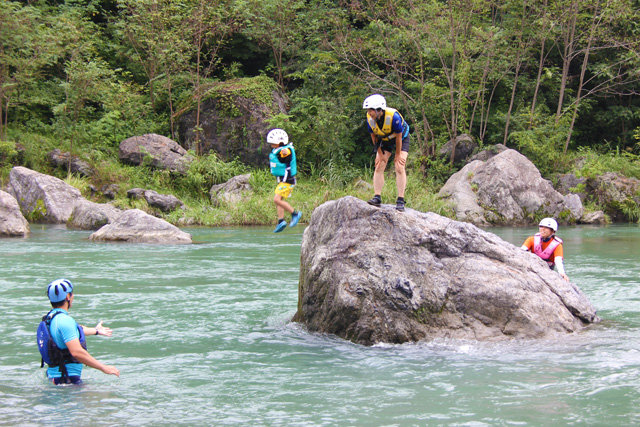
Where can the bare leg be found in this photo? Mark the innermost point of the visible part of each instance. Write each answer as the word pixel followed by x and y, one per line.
pixel 378 175
pixel 281 206
pixel 401 173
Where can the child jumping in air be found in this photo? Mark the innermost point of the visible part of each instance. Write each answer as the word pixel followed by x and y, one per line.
pixel 282 161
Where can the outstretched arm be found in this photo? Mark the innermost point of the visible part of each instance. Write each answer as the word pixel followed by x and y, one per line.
pixel 98 330
pixel 83 356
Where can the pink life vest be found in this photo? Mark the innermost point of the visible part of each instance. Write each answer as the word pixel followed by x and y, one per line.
pixel 545 254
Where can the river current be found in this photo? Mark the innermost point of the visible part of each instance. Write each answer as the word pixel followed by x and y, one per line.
pixel 201 335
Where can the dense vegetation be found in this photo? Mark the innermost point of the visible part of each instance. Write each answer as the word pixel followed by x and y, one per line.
pixel 556 79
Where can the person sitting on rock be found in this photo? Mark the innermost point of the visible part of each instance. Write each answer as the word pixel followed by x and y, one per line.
pixel 282 161
pixel 547 245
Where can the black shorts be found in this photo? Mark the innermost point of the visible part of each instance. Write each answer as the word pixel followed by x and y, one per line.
pixel 390 146
pixel 73 379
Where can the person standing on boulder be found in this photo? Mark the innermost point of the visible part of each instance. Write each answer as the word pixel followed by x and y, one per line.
pixel 547 245
pixel 282 161
pixel 390 135
pixel 62 341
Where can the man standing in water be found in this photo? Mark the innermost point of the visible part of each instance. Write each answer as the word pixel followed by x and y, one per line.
pixel 390 134
pixel 61 340
pixel 547 245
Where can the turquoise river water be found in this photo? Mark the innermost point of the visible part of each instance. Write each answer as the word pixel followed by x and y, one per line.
pixel 202 337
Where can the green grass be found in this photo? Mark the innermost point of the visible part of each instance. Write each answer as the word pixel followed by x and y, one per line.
pixel 331 181
pixel 258 207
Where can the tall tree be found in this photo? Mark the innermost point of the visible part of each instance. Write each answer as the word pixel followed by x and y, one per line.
pixel 208 27
pixel 568 11
pixel 26 46
pixel 154 30
pixel 86 76
pixel 276 24
pixel 522 41
pixel 543 23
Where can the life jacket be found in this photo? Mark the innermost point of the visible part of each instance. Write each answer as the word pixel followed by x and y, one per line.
pixel 51 354
pixel 277 167
pixel 386 133
pixel 545 254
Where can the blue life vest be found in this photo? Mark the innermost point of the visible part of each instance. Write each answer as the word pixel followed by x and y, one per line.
pixel 51 354
pixel 277 167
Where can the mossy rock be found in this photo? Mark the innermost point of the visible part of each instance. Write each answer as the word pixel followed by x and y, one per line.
pixel 233 119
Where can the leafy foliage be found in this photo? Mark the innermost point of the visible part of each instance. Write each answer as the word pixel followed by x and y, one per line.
pixel 83 76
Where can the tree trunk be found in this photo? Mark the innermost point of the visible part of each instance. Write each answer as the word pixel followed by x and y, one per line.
pixel 452 92
pixel 540 64
pixel 517 71
pixel 583 70
pixel 198 88
pixel 567 56
pixel 480 94
pixel 513 96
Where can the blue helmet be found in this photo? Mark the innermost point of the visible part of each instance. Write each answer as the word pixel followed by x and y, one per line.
pixel 58 290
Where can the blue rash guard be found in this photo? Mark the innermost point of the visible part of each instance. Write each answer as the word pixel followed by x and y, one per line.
pixel 64 329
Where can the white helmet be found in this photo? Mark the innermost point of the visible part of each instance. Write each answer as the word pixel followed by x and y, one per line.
pixel 549 223
pixel 277 136
pixel 375 101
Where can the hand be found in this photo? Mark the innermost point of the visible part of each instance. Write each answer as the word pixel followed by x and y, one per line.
pixel 400 160
pixel 111 370
pixel 565 277
pixel 102 330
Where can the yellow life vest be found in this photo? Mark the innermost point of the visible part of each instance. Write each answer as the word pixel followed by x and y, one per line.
pixel 386 134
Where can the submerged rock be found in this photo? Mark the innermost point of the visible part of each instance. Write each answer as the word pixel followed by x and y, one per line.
pixel 374 275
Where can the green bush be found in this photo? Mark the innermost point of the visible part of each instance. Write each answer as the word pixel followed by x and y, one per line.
pixel 543 145
pixel 594 163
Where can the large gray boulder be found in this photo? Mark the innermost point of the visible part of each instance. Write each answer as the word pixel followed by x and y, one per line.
pixel 462 195
pixel 232 191
pixel 373 275
pixel 136 226
pixel 12 222
pixel 464 148
pixel 42 198
pixel 157 150
pixel 87 215
pixel 568 183
pixel 488 153
pixel 507 189
pixel 69 162
pixel 618 194
pixel 164 202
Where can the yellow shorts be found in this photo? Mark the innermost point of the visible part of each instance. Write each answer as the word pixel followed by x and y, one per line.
pixel 284 189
